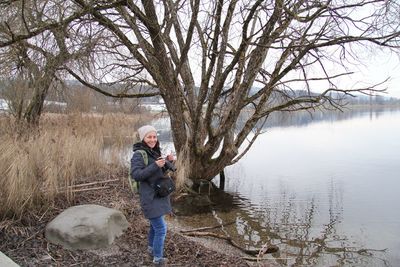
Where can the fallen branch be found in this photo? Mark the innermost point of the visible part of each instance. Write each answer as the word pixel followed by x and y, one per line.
pixel 255 259
pixel 263 259
pixel 90 189
pixel 253 252
pixel 75 188
pixel 91 183
pixel 207 228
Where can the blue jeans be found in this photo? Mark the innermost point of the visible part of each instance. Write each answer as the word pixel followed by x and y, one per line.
pixel 157 233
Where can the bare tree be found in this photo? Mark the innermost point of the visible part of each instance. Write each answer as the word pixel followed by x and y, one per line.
pixel 32 65
pixel 222 67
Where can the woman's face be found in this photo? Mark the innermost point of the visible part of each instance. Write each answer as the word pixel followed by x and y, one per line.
pixel 151 139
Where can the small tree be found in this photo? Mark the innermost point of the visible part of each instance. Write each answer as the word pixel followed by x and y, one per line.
pixel 30 65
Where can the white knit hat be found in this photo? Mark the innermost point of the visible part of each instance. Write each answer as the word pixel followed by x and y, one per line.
pixel 144 130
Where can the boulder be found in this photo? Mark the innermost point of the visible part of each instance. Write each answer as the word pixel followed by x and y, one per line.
pixel 86 227
pixel 6 261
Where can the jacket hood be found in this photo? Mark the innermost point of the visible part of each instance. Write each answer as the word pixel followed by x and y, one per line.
pixel 139 146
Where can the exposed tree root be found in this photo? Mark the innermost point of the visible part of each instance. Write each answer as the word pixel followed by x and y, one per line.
pixel 207 228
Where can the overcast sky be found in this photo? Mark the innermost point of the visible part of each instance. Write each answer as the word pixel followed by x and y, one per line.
pixel 377 68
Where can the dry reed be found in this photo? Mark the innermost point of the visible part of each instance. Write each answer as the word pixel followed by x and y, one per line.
pixel 36 164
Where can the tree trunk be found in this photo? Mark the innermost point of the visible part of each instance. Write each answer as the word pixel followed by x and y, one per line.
pixel 199 168
pixel 35 107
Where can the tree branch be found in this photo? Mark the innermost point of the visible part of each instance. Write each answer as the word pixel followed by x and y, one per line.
pixel 103 92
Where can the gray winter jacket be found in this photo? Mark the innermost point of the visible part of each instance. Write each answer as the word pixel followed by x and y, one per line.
pixel 152 206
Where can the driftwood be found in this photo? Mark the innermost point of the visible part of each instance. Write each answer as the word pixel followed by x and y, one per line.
pixel 207 228
pixel 255 259
pixel 198 232
pixel 93 183
pixel 89 184
pixel 90 189
pixel 252 252
pixel 80 187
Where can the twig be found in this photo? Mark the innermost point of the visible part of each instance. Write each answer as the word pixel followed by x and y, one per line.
pixel 263 259
pixel 201 234
pixel 206 228
pixel 90 189
pixel 79 263
pixel 255 259
pixel 41 217
pixel 51 257
pixel 32 236
pixel 97 182
pixel 263 250
pixel 72 256
pixel 179 196
pixel 91 183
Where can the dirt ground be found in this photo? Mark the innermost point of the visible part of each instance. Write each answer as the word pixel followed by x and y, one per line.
pixel 24 242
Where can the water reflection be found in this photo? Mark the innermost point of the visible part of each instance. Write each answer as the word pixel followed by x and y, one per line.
pixel 307 230
pixel 304 118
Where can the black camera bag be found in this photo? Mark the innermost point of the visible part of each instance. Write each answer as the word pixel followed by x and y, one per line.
pixel 164 186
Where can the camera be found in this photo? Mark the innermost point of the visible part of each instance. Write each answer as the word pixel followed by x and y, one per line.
pixel 169 166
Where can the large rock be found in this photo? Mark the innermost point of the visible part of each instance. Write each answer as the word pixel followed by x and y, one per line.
pixel 6 261
pixel 86 227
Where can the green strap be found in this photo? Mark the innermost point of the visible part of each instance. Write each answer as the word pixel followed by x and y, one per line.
pixel 132 183
pixel 144 155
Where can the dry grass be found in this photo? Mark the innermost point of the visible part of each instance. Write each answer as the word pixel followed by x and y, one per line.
pixel 38 164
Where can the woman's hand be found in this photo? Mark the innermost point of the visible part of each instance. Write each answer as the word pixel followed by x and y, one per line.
pixel 160 162
pixel 170 157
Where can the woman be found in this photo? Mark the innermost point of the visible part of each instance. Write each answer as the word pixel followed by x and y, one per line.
pixel 153 207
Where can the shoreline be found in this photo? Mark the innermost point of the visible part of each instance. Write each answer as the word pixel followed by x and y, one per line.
pixel 217 245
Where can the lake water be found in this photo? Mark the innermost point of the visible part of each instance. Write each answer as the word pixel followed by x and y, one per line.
pixel 324 190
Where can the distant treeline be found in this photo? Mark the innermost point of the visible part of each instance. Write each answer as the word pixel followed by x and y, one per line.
pixel 369 100
pixel 75 96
